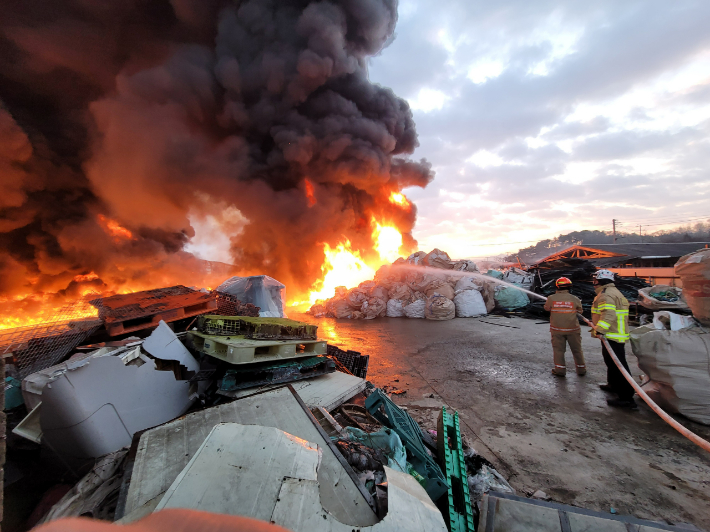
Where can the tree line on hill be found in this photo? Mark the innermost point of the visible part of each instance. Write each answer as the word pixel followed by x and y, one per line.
pixel 699 232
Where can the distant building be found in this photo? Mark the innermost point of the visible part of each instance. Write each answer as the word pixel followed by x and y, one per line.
pixel 653 261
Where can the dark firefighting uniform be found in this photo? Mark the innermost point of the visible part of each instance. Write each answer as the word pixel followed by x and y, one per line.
pixel 610 314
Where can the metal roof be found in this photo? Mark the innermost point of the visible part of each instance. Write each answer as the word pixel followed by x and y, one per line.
pixel 610 254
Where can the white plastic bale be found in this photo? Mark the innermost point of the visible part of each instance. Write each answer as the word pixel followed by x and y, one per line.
pixel 395 308
pixel 260 290
pixel 341 309
pixel 465 266
pixel 469 303
pixel 416 309
pixel 438 259
pixel 356 297
pixel 400 291
pixel 468 283
pixel 416 258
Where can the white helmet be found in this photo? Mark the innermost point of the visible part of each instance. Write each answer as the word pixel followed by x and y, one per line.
pixel 604 274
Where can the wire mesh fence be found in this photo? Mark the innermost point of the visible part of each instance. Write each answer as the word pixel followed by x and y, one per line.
pixel 40 346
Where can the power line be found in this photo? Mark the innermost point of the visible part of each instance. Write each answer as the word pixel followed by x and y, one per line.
pixel 676 222
pixel 664 220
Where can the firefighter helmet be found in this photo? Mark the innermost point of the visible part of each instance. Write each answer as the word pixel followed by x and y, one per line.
pixel 604 274
pixel 563 282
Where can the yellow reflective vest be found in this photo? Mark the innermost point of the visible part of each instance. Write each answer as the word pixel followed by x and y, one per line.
pixel 610 313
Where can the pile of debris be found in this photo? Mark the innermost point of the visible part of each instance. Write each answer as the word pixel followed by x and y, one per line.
pixel 580 272
pixel 405 290
pixel 261 394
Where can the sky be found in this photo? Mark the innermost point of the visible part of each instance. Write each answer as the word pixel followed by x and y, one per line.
pixel 542 118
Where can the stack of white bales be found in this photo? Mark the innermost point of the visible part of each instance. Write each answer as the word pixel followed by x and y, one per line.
pixel 403 290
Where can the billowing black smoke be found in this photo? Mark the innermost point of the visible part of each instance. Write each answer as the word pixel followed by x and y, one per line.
pixel 121 121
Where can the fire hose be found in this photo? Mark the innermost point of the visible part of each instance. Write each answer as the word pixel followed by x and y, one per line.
pixel 697 440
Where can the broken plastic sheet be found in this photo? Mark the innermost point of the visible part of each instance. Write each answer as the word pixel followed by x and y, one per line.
pixel 260 290
pixel 96 408
pixel 384 439
pixel 669 320
pixel 33 384
pixel 91 496
pixel 163 344
pixel 485 480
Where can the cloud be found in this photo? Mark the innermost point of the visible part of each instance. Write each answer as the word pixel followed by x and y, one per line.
pixel 566 114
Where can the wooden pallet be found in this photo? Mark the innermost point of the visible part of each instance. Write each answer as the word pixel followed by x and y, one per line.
pixel 126 313
pixel 240 350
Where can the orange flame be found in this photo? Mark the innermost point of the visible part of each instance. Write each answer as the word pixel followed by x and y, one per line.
pixel 309 192
pixel 399 199
pixel 344 266
pixel 88 277
pixel 113 228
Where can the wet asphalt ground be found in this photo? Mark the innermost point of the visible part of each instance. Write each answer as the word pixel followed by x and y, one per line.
pixel 542 432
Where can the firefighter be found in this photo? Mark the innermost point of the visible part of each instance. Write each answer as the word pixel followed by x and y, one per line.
pixel 610 315
pixel 564 327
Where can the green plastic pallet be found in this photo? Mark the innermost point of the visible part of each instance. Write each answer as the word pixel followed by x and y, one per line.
pixel 450 447
pixel 389 414
pixel 257 328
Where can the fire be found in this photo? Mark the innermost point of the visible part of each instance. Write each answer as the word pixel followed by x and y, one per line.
pixel 387 242
pixel 399 199
pixel 113 228
pixel 309 192
pixel 88 277
pixel 344 266
pixel 36 311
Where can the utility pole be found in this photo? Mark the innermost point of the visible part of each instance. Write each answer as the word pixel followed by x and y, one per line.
pixel 613 229
pixel 640 237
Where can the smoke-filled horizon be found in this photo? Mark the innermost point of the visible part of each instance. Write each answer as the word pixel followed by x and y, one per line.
pixel 121 121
